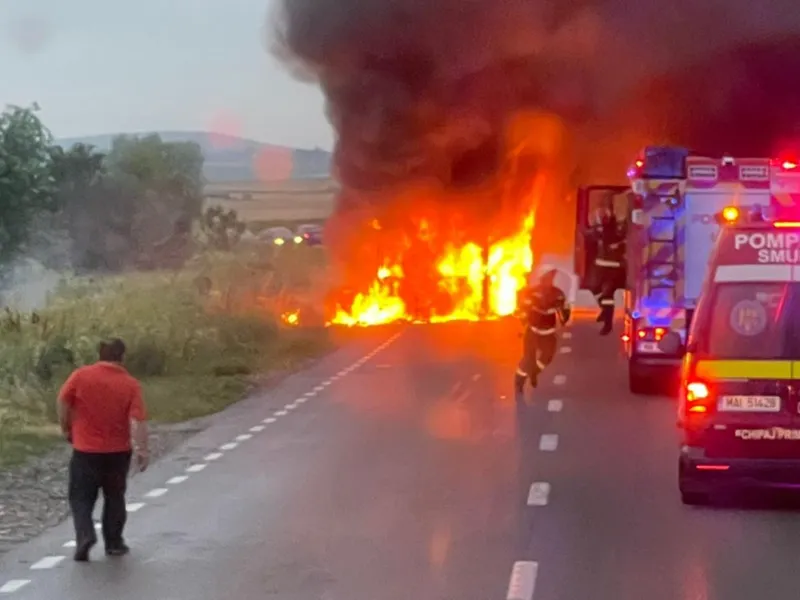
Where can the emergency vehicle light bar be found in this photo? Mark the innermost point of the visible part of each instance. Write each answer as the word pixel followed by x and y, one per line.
pixel 731 215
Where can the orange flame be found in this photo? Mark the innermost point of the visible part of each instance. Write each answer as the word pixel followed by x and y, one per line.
pixel 463 272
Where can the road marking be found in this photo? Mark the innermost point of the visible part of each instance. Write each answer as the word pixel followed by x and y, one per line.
pixel 196 468
pixel 48 562
pixel 523 581
pixel 539 494
pixel 70 544
pixel 310 394
pixel 14 585
pixel 560 379
pixel 244 437
pixel 257 429
pixel 565 349
pixel 215 455
pixel 134 506
pixel 228 446
pixel 290 406
pixel 177 479
pixel 281 413
pixel 269 420
pixel 566 335
pixel 548 442
pixel 301 400
pixel 156 493
pixel 555 405
pixel 319 388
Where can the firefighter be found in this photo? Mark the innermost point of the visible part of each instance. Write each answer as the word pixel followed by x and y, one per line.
pixel 609 266
pixel 541 307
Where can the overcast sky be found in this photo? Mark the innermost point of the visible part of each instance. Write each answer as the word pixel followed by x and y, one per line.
pixel 108 66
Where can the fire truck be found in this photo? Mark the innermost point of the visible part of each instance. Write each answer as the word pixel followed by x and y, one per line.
pixel 670 207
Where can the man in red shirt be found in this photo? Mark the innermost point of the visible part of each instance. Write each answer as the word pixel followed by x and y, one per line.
pixel 100 409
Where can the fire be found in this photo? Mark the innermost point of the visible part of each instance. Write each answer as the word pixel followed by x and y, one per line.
pixel 291 317
pixel 463 274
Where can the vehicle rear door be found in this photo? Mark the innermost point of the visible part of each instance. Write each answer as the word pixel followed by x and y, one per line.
pixel 747 356
pixel 590 200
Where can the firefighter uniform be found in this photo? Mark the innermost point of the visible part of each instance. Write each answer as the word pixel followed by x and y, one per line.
pixel 540 307
pixel 609 269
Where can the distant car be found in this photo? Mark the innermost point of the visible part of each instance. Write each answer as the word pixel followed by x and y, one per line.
pixel 279 236
pixel 310 234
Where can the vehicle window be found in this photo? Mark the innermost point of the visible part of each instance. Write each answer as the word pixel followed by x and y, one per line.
pixel 749 320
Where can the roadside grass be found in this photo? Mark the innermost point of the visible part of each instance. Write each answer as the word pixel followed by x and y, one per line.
pixel 195 350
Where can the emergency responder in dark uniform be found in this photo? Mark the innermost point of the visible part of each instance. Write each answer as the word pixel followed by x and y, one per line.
pixel 540 307
pixel 609 266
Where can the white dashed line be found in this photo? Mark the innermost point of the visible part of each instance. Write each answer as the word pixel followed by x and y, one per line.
pixel 310 394
pixel 269 420
pixel 555 405
pixel 560 379
pixel 70 544
pixel 215 455
pixel 566 335
pixel 548 442
pixel 134 506
pixel 257 428
pixel 290 406
pixel 15 585
pixel 244 437
pixel 195 468
pixel 301 400
pixel 177 479
pixel 565 349
pixel 319 388
pixel 281 413
pixel 539 494
pixel 48 562
pixel 156 493
pixel 523 581
pixel 229 446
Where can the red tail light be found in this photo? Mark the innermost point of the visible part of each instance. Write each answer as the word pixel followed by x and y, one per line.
pixel 652 333
pixel 697 397
pixel 789 165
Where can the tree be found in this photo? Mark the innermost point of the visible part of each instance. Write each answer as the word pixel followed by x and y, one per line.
pixel 26 182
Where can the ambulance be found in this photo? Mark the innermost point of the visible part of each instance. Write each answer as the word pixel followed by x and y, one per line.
pixel 739 397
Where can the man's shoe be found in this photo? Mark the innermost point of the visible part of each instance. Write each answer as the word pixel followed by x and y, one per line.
pixel 117 550
pixel 607 327
pixel 519 385
pixel 83 548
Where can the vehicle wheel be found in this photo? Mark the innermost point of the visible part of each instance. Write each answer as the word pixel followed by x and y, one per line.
pixel 694 498
pixel 637 382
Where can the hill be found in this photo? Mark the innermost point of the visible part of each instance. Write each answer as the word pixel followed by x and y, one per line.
pixel 230 158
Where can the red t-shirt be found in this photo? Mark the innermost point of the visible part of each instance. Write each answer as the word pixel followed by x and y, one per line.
pixel 104 398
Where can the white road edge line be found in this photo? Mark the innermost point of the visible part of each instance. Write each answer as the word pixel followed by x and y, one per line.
pixel 269 420
pixel 48 562
pixel 539 494
pixel 281 413
pixel 196 468
pixel 177 479
pixel 13 585
pixel 257 428
pixel 229 446
pixel 555 405
pixel 213 456
pixel 244 437
pixel 523 580
pixel 548 442
pixel 156 493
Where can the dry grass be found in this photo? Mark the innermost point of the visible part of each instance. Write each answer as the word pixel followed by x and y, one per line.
pixel 284 201
pixel 194 353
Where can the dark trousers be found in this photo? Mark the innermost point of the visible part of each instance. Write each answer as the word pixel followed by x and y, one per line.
pixel 89 473
pixel 608 281
pixel 538 351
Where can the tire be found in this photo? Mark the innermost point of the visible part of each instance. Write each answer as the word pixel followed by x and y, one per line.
pixel 637 383
pixel 694 498
pixel 690 494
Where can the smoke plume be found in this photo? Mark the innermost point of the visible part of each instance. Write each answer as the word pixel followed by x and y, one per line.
pixel 430 90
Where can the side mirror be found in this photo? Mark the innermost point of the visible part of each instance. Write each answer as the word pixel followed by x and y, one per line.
pixel 671 343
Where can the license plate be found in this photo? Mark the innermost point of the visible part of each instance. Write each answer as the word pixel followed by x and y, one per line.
pixel 750 403
pixel 648 347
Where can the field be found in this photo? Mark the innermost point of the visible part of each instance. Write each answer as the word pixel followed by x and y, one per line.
pixel 275 202
pixel 195 348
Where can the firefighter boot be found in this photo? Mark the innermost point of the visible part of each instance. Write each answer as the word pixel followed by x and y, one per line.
pixel 519 384
pixel 607 320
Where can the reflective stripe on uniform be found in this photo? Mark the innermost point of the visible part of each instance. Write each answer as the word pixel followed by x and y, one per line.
pixel 549 311
pixel 540 364
pixel 607 302
pixel 745 369
pixel 521 373
pixel 543 331
pixel 601 262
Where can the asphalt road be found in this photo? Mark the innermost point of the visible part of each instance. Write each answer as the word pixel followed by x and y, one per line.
pixel 408 472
